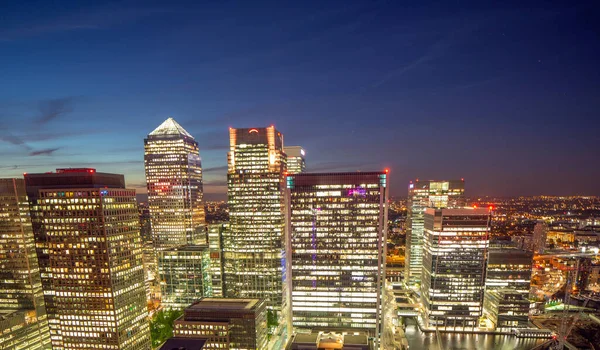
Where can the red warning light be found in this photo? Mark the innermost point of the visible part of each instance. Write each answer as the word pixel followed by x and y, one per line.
pixel 387 170
pixel 474 206
pixel 491 207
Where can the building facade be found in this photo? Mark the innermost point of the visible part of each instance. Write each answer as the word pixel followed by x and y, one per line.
pixel 337 229
pixel 296 159
pixel 23 321
pixel 540 234
pixel 184 275
pixel 174 182
pixel 506 301
pixel 454 266
pixel 254 249
pixel 86 227
pixel 225 323
pixel 422 195
pixel 215 246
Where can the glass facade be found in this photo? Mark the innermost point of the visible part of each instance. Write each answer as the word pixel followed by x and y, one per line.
pixel 454 266
pixel 254 250
pixel 215 245
pixel 174 181
pixel 296 159
pixel 90 252
pixel 336 229
pixel 225 323
pixel 184 275
pixel 507 287
pixel 23 322
pixel 422 195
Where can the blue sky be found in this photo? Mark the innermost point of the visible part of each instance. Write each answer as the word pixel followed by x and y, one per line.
pixel 506 96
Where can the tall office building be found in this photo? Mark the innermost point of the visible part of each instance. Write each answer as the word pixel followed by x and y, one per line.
pixel 296 161
pixel 23 322
pixel 422 195
pixel 185 275
pixel 507 286
pixel 225 323
pixel 254 244
pixel 454 264
pixel 174 181
pixel 86 228
pixel 337 229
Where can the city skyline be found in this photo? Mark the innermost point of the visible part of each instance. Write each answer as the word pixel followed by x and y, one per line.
pixel 508 89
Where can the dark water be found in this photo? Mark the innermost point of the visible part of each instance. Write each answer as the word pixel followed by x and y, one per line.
pixel 418 340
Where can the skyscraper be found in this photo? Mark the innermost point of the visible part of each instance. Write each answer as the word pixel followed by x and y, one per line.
pixel 215 246
pixel 86 228
pixel 454 264
pixel 296 161
pixel 23 322
pixel 337 229
pixel 254 249
pixel 422 195
pixel 174 181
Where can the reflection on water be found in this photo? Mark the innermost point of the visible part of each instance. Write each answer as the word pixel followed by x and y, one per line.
pixel 418 340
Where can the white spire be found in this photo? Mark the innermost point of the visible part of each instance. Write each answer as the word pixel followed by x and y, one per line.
pixel 170 127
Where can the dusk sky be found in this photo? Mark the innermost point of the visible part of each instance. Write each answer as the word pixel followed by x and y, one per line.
pixel 506 97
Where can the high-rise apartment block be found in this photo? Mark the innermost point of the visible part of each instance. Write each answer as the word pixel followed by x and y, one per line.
pixel 422 195
pixel 254 249
pixel 23 322
pixel 507 286
pixel 296 159
pixel 454 265
pixel 174 181
pixel 184 275
pixel 225 323
pixel 336 231
pixel 86 228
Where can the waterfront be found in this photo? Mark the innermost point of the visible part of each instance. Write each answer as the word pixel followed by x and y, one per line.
pixel 419 340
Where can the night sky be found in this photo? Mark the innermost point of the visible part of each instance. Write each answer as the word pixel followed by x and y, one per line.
pixel 507 97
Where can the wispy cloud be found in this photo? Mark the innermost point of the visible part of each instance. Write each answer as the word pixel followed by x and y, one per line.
pixel 52 109
pixel 44 152
pixel 215 169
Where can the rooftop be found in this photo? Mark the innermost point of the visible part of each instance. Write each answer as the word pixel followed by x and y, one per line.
pixel 170 127
pixel 224 304
pixel 183 344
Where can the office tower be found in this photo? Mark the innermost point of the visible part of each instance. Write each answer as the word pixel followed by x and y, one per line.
pixel 422 195
pixel 225 323
pixel 540 233
pixel 184 275
pixel 337 229
pixel 174 180
pixel 296 161
pixel 86 228
pixel 507 286
pixel 23 322
pixel 454 264
pixel 215 246
pixel 254 248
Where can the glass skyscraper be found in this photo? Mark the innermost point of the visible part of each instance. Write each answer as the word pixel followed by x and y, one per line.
pixel 454 266
pixel 296 159
pixel 337 229
pixel 174 182
pixel 254 247
pixel 23 322
pixel 86 228
pixel 422 195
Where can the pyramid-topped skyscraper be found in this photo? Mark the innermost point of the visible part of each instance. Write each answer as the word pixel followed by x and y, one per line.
pixel 174 182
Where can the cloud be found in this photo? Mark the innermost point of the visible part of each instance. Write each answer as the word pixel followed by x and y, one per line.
pixel 14 140
pixel 44 152
pixel 52 109
pixel 215 183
